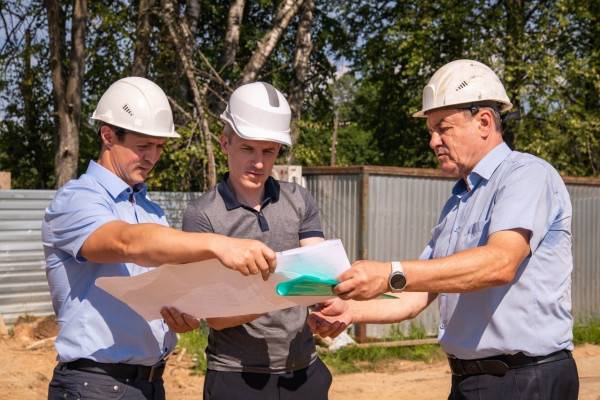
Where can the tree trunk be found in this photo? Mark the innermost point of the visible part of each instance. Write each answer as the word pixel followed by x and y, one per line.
pixel 218 90
pixel 334 136
pixel 232 36
pixel 183 43
pixel 301 66
pixel 286 11
pixel 192 15
pixel 514 60
pixel 67 94
pixel 142 42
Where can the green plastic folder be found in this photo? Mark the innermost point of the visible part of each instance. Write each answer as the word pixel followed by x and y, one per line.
pixel 306 285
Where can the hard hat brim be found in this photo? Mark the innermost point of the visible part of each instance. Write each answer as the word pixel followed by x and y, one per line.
pixel 254 133
pixel 169 135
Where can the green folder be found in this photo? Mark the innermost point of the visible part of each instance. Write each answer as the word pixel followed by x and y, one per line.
pixel 307 285
pixel 310 285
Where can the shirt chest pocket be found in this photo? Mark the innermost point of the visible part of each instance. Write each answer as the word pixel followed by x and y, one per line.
pixel 473 235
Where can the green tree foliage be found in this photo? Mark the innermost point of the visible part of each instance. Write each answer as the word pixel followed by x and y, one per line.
pixel 546 52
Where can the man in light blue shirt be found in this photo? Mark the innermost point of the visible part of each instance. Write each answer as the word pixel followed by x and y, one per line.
pixel 499 257
pixel 104 224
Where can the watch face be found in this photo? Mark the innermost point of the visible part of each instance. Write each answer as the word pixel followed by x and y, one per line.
pixel 398 281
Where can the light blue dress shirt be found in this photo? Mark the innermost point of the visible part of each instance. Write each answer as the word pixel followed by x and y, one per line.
pixel 509 190
pixel 93 324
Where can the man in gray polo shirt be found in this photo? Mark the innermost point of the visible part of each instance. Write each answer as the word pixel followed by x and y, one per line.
pixel 269 356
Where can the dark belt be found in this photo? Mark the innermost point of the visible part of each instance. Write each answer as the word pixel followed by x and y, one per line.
pixel 118 371
pixel 499 365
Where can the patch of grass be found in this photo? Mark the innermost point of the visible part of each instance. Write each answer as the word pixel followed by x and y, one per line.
pixel 357 359
pixel 194 343
pixel 416 331
pixel 588 333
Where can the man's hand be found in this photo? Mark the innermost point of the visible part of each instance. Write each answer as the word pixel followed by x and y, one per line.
pixel 178 322
pixel 246 256
pixel 331 318
pixel 364 280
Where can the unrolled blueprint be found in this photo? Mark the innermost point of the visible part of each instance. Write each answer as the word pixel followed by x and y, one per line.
pixel 207 289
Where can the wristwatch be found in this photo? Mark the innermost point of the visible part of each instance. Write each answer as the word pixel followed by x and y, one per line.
pixel 397 279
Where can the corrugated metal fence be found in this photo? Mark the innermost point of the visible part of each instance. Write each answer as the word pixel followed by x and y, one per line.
pixel 23 286
pixel 380 213
pixel 385 213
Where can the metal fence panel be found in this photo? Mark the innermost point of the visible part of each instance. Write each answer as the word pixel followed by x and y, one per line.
pixel 402 210
pixel 586 252
pixel 23 285
pixel 338 199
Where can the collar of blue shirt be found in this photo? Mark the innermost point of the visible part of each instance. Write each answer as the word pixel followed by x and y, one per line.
pixel 114 185
pixel 484 169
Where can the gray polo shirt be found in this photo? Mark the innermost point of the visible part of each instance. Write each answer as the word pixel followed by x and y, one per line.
pixel 279 341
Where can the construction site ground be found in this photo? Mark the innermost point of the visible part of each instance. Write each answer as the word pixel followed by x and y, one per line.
pixel 27 358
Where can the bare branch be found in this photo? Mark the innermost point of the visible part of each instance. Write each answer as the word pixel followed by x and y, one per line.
pixel 181 38
pixel 142 42
pixel 232 36
pixel 286 11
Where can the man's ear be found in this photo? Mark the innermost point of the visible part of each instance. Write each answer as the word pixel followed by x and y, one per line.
pixel 486 124
pixel 107 136
pixel 224 142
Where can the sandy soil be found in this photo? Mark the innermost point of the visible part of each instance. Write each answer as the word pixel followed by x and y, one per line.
pixel 25 374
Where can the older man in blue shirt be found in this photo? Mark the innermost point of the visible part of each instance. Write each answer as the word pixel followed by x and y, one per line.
pixel 104 224
pixel 499 258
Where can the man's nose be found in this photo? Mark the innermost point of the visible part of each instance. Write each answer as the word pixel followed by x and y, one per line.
pixel 153 155
pixel 434 141
pixel 258 160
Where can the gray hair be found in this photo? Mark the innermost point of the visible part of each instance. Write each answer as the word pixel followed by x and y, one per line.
pixel 495 113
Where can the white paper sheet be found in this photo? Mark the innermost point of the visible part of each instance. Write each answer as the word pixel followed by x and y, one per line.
pixel 207 289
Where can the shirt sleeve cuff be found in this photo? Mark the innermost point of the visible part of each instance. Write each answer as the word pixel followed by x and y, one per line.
pixel 310 234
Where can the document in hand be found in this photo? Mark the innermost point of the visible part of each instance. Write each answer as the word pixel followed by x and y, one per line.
pixel 207 289
pixel 312 270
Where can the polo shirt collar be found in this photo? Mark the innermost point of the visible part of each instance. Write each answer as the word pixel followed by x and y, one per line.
pixel 484 169
pixel 114 185
pixel 271 194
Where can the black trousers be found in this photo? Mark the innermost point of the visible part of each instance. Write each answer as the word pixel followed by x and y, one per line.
pixel 73 384
pixel 310 383
pixel 556 380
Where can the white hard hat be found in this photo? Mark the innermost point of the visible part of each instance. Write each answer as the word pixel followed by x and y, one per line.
pixel 463 82
pixel 258 111
pixel 139 105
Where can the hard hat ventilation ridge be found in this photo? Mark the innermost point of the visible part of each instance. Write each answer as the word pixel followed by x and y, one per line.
pixel 272 93
pixel 462 85
pixel 127 109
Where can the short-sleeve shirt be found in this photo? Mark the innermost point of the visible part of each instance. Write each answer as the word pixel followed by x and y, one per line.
pixel 509 190
pixel 93 324
pixel 279 341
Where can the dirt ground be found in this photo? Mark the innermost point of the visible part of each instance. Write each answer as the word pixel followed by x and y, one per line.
pixel 26 362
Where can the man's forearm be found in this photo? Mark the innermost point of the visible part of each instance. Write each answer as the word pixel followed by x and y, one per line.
pixel 494 264
pixel 388 311
pixel 147 244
